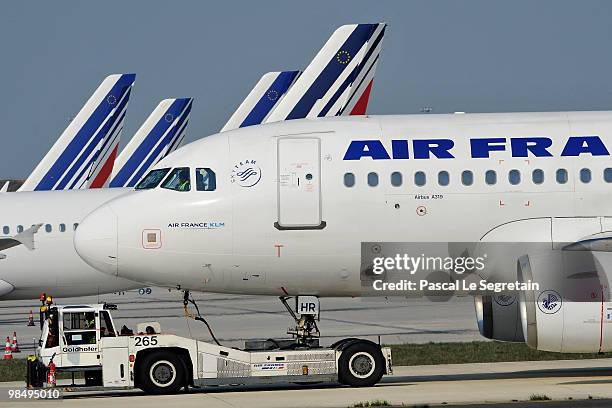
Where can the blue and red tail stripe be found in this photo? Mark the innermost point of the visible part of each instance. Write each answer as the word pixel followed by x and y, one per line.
pixel 95 127
pixel 330 73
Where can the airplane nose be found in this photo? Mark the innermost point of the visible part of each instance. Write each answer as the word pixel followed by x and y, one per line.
pixel 95 240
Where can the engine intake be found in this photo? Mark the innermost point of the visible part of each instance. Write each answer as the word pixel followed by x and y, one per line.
pixel 498 317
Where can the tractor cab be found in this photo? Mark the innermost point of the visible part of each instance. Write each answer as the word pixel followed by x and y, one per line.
pixel 71 335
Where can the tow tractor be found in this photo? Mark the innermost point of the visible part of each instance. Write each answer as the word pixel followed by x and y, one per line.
pixel 84 338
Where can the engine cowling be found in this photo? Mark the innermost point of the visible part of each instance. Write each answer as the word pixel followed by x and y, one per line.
pixel 571 311
pixel 570 259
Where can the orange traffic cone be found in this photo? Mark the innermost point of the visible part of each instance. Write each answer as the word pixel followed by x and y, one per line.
pixel 8 355
pixel 15 346
pixel 31 319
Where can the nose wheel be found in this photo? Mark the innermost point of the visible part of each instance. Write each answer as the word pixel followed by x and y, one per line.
pixel 305 332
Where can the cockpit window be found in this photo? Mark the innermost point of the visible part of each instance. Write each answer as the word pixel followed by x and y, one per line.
pixel 178 180
pixel 205 179
pixel 152 179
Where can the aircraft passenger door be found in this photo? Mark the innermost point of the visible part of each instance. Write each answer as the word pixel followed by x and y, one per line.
pixel 299 183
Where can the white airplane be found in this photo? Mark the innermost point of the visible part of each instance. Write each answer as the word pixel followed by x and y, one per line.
pixel 35 254
pixel 83 155
pixel 45 260
pixel 51 264
pixel 283 209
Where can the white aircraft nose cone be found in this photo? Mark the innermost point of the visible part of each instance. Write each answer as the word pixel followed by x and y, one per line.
pixel 95 240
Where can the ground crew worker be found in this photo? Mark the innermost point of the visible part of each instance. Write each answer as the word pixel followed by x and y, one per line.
pixel 90 321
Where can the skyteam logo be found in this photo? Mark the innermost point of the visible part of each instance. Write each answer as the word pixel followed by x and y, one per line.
pixel 549 302
pixel 246 173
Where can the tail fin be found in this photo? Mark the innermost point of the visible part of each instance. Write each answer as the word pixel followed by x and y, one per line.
pixel 87 138
pixel 361 85
pixel 161 134
pixel 262 99
pixel 99 172
pixel 338 77
pixel 5 187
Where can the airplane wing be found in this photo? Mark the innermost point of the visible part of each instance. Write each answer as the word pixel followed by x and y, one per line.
pixel 23 238
pixel 262 99
pixel 339 78
pixel 80 154
pixel 161 134
pixel 6 243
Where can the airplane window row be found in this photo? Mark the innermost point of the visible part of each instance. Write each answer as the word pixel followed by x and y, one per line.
pixel 6 230
pixel 179 179
pixel 490 177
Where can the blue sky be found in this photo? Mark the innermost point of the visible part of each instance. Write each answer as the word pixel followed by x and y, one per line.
pixel 474 56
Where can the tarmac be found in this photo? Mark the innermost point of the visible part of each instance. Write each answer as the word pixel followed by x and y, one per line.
pixel 237 318
pixel 567 383
pixel 571 383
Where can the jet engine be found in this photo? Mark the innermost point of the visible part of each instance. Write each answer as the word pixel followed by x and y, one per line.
pixel 570 312
pixel 569 263
pixel 499 317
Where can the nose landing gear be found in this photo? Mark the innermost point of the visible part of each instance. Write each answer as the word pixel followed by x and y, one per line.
pixel 305 332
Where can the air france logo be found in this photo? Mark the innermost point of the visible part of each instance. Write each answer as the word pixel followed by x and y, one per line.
pixel 478 148
pixel 549 302
pixel 246 173
pixel 197 225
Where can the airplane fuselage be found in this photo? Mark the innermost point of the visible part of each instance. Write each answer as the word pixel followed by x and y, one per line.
pixel 294 201
pixel 53 266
